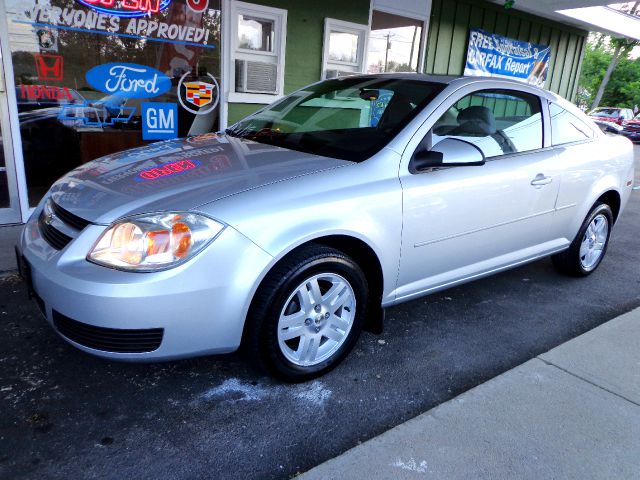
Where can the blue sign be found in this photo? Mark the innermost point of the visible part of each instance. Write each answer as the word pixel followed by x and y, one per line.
pixel 159 121
pixel 379 105
pixel 491 55
pixel 95 113
pixel 128 80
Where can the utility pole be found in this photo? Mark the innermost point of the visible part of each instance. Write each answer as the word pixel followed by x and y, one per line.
pixel 386 52
pixel 413 43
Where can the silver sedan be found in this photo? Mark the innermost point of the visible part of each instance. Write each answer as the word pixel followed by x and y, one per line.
pixel 290 232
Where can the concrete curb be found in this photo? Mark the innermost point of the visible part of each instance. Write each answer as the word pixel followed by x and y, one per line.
pixel 564 414
pixel 8 238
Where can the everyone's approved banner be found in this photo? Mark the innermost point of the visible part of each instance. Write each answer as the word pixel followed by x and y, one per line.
pixel 492 55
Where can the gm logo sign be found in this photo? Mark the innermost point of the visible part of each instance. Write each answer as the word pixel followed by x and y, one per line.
pixel 159 121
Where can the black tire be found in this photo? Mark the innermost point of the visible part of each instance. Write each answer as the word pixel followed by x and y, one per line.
pixel 260 339
pixel 569 261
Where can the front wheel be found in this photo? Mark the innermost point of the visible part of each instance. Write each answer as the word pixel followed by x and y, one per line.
pixel 590 244
pixel 307 315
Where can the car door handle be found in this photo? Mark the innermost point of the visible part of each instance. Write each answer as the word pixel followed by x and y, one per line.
pixel 541 180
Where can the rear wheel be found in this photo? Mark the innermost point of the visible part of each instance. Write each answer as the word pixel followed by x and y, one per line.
pixel 307 315
pixel 590 244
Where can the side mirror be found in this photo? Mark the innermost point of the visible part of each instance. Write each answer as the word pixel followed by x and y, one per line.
pixel 450 152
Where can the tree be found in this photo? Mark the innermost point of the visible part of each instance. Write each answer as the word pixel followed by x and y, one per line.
pixel 594 65
pixel 622 48
pixel 623 90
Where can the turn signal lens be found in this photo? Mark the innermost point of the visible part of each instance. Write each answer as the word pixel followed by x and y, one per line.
pixel 180 240
pixel 154 242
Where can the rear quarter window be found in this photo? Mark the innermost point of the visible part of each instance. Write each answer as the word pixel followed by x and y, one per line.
pixel 566 127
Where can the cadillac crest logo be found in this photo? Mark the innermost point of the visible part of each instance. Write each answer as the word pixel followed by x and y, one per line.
pixel 199 93
pixel 197 96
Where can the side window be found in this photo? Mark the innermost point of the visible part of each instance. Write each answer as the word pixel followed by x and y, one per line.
pixel 499 122
pixel 566 127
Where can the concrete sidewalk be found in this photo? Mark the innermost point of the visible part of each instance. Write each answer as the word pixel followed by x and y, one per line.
pixel 573 412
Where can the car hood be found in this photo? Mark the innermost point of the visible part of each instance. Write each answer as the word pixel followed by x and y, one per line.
pixel 178 175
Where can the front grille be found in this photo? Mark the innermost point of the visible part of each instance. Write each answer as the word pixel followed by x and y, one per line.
pixel 53 236
pixel 108 339
pixel 67 217
pixel 52 215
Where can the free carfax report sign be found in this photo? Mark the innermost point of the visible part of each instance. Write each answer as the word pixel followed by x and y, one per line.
pixel 491 55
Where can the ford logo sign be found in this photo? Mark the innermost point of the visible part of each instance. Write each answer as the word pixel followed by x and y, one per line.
pixel 128 8
pixel 129 80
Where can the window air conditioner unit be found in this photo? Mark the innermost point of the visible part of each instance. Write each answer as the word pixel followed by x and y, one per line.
pixel 334 73
pixel 256 77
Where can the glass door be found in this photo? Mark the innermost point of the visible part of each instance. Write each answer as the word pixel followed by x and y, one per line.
pixel 394 43
pixel 9 200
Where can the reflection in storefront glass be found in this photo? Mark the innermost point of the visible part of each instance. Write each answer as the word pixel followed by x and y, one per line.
pixel 255 33
pixel 394 43
pixel 91 82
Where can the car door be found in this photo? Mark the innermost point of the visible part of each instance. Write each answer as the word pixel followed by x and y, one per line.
pixel 463 221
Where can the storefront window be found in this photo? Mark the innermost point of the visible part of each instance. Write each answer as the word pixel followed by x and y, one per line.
pixel 394 43
pixel 95 77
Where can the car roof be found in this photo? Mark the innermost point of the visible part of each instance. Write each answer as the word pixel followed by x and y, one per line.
pixel 445 79
pixel 459 80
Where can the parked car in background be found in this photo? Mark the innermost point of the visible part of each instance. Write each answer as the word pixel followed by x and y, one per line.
pixel 631 129
pixel 289 234
pixel 608 127
pixel 613 115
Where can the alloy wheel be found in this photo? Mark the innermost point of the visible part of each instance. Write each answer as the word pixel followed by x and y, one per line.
pixel 316 319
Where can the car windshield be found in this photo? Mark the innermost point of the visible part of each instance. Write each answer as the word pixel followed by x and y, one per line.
pixel 350 118
pixel 605 112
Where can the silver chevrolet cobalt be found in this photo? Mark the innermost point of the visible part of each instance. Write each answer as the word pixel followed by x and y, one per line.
pixel 293 230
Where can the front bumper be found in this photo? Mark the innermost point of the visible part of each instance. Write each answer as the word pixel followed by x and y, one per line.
pixel 200 305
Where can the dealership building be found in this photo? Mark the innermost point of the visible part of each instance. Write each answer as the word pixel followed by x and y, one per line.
pixel 81 79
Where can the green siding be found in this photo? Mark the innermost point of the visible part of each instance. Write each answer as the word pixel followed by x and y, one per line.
pixel 447 40
pixel 305 32
pixel 449 36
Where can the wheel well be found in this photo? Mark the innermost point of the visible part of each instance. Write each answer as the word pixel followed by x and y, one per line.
pixel 368 261
pixel 611 198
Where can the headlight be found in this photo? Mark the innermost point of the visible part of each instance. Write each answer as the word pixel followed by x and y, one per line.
pixel 147 243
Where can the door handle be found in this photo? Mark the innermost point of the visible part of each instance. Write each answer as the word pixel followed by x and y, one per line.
pixel 541 180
